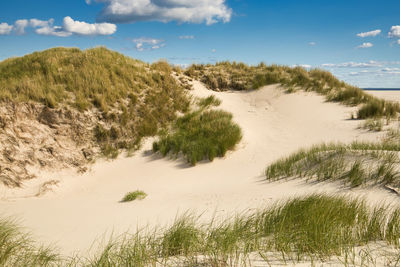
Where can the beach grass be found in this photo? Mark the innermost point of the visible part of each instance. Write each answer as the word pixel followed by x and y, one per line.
pixel 375 125
pixel 355 164
pixel 134 195
pixel 316 227
pixel 300 229
pixel 200 134
pixel 19 249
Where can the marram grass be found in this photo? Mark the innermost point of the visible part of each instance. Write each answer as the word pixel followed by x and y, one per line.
pixel 201 134
pixel 314 227
pixel 356 164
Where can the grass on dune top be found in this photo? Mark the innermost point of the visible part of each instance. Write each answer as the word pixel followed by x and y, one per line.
pixel 201 134
pixel 239 76
pixel 314 227
pixel 95 76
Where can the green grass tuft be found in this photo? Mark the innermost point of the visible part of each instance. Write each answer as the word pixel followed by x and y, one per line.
pixel 200 135
pixel 135 195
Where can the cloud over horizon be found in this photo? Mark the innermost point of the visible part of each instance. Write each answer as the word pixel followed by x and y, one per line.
pixel 182 11
pixel 144 43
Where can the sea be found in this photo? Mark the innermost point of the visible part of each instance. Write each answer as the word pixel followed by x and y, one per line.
pixel 381 89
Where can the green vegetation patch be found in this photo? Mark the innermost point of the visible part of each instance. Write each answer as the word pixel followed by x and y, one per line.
pixel 199 135
pixel 135 195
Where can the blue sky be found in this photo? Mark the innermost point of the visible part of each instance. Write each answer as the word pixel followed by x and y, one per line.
pixel 355 39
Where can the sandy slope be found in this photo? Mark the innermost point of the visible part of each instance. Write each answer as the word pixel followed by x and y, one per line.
pixel 83 207
pixel 387 95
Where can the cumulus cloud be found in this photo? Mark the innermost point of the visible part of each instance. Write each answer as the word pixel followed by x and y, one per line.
pixel 183 11
pixel 145 43
pixel 40 23
pixel 398 42
pixel 83 28
pixel 365 45
pixel 395 31
pixel 69 27
pixel 312 43
pixel 20 25
pixel 186 37
pixel 213 50
pixel 369 34
pixel 5 28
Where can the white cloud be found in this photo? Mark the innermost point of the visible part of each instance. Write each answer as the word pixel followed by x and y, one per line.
pixel 306 66
pixel 390 69
pixel 144 43
pixel 395 31
pixel 369 34
pixel 186 37
pixel 70 27
pixel 189 11
pixel 213 50
pixel 5 28
pixel 368 64
pixel 365 45
pixel 53 31
pixel 40 23
pixel 312 43
pixel 398 42
pixel 20 25
pixel 83 28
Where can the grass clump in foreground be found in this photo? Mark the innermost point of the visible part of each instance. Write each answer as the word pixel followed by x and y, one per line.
pixel 355 164
pixel 315 227
pixel 18 248
pixel 201 134
pixel 135 195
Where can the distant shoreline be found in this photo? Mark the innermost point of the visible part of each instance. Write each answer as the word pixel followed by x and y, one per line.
pixel 381 89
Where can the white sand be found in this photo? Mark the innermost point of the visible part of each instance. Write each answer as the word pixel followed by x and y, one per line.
pixel 85 207
pixel 387 95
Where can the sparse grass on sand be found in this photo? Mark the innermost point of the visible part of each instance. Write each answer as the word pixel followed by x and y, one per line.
pixel 315 227
pixel 135 195
pixel 201 134
pixel 375 125
pixel 239 76
pixel 355 164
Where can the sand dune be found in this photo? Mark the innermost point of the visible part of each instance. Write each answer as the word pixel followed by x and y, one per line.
pixel 82 207
pixel 387 95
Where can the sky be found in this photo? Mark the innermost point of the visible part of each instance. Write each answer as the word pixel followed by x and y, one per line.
pixel 357 40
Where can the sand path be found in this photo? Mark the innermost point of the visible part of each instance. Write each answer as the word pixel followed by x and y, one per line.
pixel 83 207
